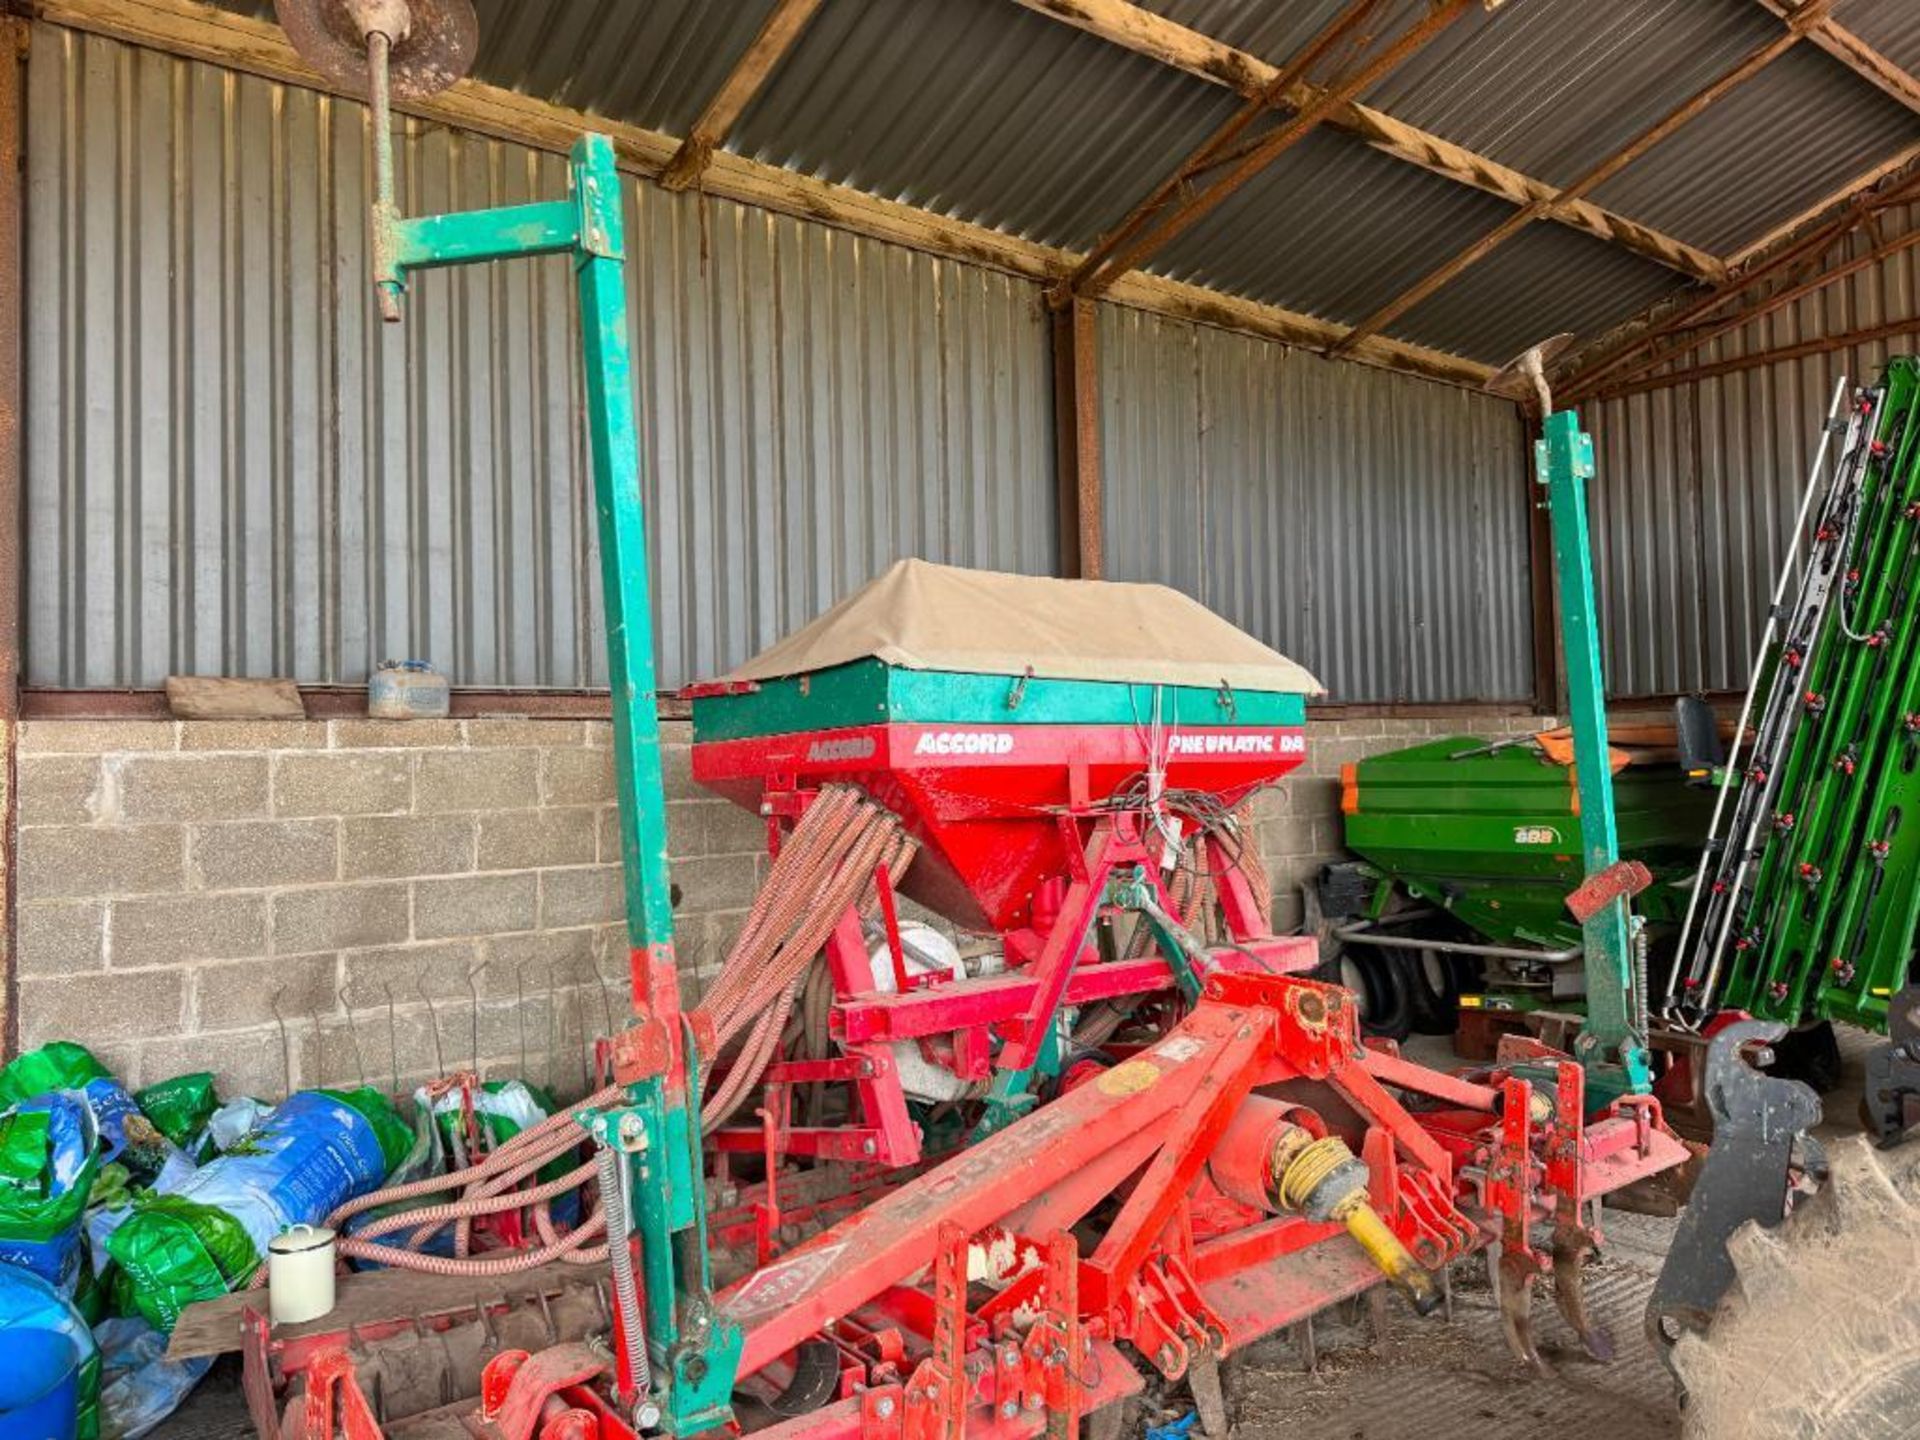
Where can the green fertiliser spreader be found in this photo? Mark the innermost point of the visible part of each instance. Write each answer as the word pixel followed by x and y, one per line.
pixel 1490 832
pixel 1809 893
pixel 1784 882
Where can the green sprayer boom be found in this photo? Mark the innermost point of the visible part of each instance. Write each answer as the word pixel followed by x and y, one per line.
pixel 1809 895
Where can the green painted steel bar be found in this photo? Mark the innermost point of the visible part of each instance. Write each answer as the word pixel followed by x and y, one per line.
pixel 1613 1032
pixel 693 1351
pixel 624 568
pixel 470 237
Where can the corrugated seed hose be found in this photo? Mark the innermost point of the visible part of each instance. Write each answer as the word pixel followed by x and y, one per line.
pixel 825 866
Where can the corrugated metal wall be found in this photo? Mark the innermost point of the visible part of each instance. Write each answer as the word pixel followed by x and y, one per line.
pixel 1372 526
pixel 232 467
pixel 1698 484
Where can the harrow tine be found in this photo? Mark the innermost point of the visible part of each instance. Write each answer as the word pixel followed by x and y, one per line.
pixel 1517 1273
pixel 393 1040
pixel 585 1045
pixel 553 1004
pixel 519 1015
pixel 343 1000
pixel 1571 1246
pixel 473 1028
pixel 319 1041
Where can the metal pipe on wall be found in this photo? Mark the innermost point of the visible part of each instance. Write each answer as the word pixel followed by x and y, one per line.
pixel 13 45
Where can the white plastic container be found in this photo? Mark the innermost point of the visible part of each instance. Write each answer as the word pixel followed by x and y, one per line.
pixel 407 690
pixel 300 1265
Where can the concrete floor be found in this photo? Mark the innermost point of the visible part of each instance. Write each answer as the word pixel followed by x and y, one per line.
pixel 1430 1379
pixel 1427 1380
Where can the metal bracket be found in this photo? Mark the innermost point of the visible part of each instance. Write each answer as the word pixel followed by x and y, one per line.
pixel 1892 1099
pixel 1757 1120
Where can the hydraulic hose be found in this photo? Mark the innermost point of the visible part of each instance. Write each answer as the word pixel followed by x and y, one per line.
pixel 826 866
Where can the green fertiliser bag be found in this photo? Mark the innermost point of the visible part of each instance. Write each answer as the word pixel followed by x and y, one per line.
pixel 51 1156
pixel 179 1107
pixel 61 1065
pixel 25 1139
pixel 208 1232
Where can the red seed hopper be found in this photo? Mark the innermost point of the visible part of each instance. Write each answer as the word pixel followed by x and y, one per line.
pixel 1032 739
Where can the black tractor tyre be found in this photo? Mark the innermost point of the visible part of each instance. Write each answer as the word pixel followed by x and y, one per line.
pixel 1819 1338
pixel 1386 993
pixel 1433 984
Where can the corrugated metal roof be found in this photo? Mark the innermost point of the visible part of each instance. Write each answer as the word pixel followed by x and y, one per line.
pixel 1041 131
pixel 983 110
pixel 1891 26
pixel 1553 89
pixel 1544 280
pixel 1325 230
pixel 1793 134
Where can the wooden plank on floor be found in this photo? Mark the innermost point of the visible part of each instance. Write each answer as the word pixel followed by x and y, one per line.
pixel 212 1327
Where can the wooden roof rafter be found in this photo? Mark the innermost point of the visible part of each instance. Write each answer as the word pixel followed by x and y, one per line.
pixel 1850 50
pixel 1154 36
pixel 1754 62
pixel 1176 205
pixel 750 73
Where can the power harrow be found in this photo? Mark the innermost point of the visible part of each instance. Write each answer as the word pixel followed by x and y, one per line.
pixel 870 1186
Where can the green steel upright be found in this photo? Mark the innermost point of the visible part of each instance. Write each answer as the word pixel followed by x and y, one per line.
pixel 1614 1031
pixel 691 1352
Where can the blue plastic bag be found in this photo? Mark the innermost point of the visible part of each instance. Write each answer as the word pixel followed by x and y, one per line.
pixel 139 1386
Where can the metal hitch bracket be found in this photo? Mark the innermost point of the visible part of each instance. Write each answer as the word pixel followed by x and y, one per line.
pixel 1757 1122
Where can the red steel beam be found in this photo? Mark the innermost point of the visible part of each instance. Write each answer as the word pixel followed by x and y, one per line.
pixel 1855 210
pixel 1777 301
pixel 1823 346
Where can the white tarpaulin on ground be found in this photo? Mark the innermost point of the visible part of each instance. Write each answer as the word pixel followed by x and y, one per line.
pixel 923 616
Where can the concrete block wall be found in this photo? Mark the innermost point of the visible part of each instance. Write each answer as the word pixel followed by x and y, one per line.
pixel 179 879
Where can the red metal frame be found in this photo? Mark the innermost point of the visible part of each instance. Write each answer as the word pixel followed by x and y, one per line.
pixel 1170 1148
pixel 1054 965
pixel 1172 1275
